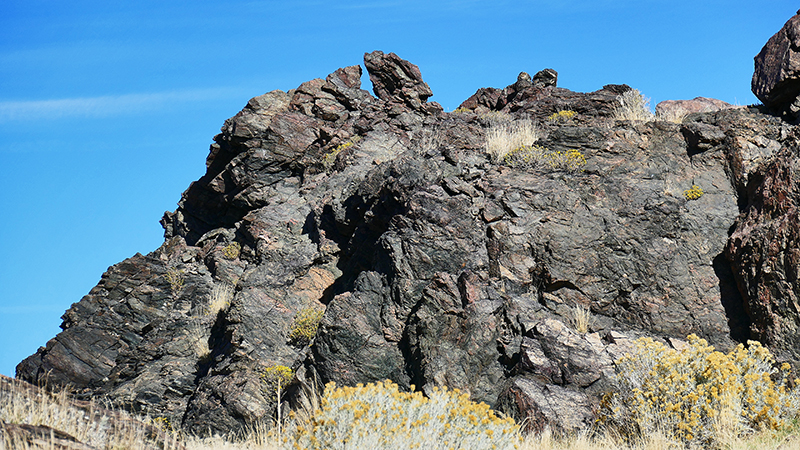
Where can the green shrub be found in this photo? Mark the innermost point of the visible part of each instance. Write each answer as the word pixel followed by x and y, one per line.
pixel 462 110
pixel 694 193
pixel 379 416
pixel 698 395
pixel 305 324
pixel 538 156
pixel 562 116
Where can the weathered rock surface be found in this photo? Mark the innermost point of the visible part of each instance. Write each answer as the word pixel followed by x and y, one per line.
pixel 680 108
pixel 765 251
pixel 435 265
pixel 776 80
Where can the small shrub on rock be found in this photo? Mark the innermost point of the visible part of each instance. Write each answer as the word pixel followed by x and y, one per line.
pixel 562 116
pixel 378 416
pixel 536 156
pixel 176 280
pixel 275 378
pixel 633 106
pixel 329 158
pixel 694 193
pixel 698 395
pixel 305 324
pixel 232 251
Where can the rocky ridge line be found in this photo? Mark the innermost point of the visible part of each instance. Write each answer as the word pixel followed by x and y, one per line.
pixel 434 264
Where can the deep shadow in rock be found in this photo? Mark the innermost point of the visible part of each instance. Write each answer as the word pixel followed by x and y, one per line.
pixel 732 301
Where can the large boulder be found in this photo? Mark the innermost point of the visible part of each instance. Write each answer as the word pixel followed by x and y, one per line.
pixel 776 80
pixel 396 80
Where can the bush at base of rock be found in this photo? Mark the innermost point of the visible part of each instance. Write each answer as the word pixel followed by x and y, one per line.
pixel 379 416
pixel 697 394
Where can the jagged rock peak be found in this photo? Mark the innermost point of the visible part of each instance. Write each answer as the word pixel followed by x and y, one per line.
pixel 776 80
pixel 396 80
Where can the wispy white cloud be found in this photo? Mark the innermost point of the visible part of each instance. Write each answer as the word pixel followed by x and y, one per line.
pixel 107 105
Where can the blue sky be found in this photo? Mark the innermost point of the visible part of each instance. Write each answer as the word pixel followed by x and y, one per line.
pixel 107 109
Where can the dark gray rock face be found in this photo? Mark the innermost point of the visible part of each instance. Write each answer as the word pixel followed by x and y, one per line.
pixel 435 265
pixel 776 81
pixel 765 252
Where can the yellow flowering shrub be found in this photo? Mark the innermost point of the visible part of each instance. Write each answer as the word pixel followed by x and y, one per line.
pixel 378 416
pixel 697 393
pixel 329 158
pixel 562 116
pixel 232 251
pixel 275 378
pixel 304 325
pixel 538 156
pixel 694 193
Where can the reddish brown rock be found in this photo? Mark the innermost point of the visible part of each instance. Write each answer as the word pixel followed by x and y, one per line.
pixel 765 252
pixel 435 264
pixel 776 80
pixel 396 80
pixel 681 108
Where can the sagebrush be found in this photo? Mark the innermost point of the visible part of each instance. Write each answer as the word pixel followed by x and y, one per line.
pixel 699 396
pixel 378 416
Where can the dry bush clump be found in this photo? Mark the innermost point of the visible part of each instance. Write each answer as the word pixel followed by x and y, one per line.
pixel 378 416
pixel 536 156
pixel 700 397
pixel 633 106
pixel 672 115
pixel 503 138
pixel 581 318
pixel 304 325
pixel 221 296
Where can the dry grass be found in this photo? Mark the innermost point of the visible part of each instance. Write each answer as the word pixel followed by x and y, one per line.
pixel 221 296
pixel 83 421
pixel 56 411
pixel 503 138
pixel 633 106
pixel 19 404
pixel 198 335
pixel 581 318
pixel 673 115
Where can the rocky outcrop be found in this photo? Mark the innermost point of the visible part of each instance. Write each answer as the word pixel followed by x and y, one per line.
pixel 434 264
pixel 776 80
pixel 397 80
pixel 765 251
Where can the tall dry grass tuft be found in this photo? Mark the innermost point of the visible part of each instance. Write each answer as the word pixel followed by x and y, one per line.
pixel 633 106
pixel 502 138
pixel 90 424
pixel 221 296
pixel 581 318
